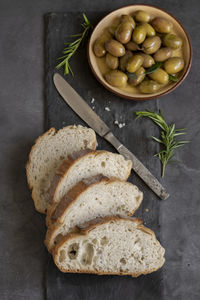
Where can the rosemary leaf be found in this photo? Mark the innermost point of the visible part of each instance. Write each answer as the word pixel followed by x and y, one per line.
pixel 153 68
pixel 167 137
pixel 157 140
pixel 173 78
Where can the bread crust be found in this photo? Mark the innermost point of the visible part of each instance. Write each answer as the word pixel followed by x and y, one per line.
pixel 62 172
pixel 85 228
pixel 34 197
pixel 56 219
pixel 66 202
pixel 49 132
pixel 71 196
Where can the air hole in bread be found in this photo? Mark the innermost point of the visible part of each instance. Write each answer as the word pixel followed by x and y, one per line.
pixel 123 261
pixel 87 256
pixel 58 238
pixel 136 241
pixel 73 250
pixel 62 256
pixel 103 164
pixel 121 207
pixel 85 143
pixel 104 241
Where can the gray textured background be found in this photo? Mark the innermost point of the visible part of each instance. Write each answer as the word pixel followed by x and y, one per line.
pixel 22 254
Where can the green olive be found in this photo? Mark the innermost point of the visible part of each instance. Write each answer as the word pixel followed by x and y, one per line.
pixel 134 63
pixel 140 73
pixel 149 29
pixel 127 18
pixel 174 65
pixel 116 78
pixel 161 25
pixel 132 46
pixel 173 41
pixel 148 60
pixel 112 61
pixel 115 48
pixel 112 29
pixel 163 54
pixel 99 47
pixel 139 34
pixel 151 44
pixel 142 16
pixel 149 86
pixel 123 32
pixel 160 76
pixel 124 59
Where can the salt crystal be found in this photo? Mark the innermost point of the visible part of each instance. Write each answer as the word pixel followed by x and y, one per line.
pixel 120 125
pixel 107 108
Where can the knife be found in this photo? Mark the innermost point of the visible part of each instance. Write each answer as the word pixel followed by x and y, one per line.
pixel 85 112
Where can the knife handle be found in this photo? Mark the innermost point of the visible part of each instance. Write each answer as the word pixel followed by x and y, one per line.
pixel 121 148
pixel 138 167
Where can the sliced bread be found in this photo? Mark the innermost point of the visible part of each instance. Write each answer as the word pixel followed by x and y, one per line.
pixel 47 154
pixel 112 245
pixel 84 164
pixel 93 197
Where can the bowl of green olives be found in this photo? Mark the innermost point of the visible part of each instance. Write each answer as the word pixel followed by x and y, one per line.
pixel 140 52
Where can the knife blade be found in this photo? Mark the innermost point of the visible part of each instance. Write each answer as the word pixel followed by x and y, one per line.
pixel 85 112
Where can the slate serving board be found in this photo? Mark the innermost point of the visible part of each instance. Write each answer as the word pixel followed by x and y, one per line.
pixel 135 135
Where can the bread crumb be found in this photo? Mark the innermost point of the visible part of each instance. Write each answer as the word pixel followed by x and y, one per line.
pixel 92 101
pixel 147 209
pixel 107 108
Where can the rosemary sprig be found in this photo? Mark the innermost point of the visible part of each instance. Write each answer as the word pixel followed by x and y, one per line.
pixel 72 47
pixel 153 68
pixel 173 78
pixel 167 137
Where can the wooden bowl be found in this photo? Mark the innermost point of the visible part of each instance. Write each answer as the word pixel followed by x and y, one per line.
pixel 133 93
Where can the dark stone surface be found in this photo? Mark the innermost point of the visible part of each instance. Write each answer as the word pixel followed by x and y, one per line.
pixel 24 260
pixel 59 114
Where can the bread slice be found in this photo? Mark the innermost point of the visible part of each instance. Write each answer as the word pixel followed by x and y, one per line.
pixel 112 245
pixel 85 164
pixel 47 154
pixel 93 197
